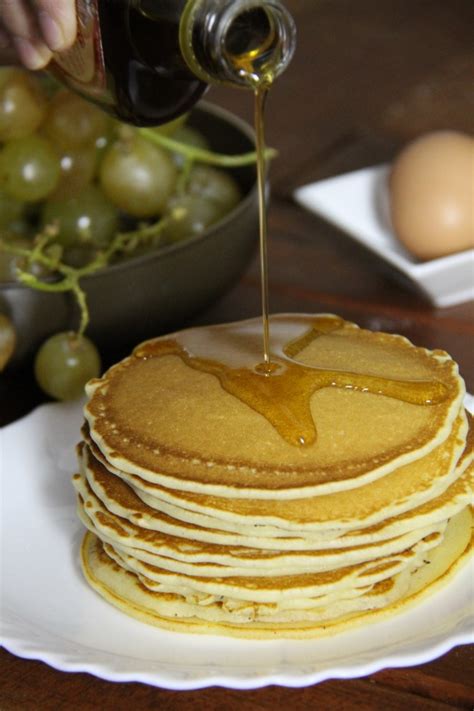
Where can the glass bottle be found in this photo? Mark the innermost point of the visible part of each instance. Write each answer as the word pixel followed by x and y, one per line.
pixel 148 61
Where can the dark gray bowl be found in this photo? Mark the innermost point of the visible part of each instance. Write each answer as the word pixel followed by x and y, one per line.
pixel 156 292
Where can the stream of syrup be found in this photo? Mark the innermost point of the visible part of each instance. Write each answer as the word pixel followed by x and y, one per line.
pixel 258 75
pixel 261 92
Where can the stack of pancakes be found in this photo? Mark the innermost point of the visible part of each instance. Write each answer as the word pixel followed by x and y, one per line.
pixel 328 487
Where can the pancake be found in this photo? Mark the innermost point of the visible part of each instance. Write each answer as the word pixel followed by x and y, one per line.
pixel 123 501
pixel 408 487
pixel 170 611
pixel 224 609
pixel 214 559
pixel 279 588
pixel 352 435
pixel 269 588
pixel 327 488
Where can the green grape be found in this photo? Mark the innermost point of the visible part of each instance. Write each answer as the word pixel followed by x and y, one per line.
pixel 22 105
pixel 7 340
pixel 64 364
pixel 77 171
pixel 138 177
pixel 189 215
pixel 104 141
pixel 191 137
pixel 210 194
pixel 214 185
pixel 78 255
pixel 88 218
pixel 72 121
pixel 11 209
pixel 29 168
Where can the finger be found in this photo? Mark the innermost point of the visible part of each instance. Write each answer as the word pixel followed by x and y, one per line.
pixel 57 22
pixel 32 54
pixel 18 22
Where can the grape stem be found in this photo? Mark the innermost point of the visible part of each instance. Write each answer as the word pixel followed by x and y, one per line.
pixel 48 255
pixel 201 154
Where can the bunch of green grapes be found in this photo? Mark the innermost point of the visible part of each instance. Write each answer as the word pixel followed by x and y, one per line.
pixel 70 171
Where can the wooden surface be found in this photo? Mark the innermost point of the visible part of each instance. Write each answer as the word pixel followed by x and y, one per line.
pixel 367 76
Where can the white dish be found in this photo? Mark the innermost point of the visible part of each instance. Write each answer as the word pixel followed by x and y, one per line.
pixel 49 613
pixel 356 203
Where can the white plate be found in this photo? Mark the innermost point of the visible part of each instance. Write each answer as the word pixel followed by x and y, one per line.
pixel 49 613
pixel 357 203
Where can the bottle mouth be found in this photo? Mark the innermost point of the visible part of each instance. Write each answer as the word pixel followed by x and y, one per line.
pixel 246 43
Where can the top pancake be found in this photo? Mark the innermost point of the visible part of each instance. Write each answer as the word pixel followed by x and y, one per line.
pixel 183 411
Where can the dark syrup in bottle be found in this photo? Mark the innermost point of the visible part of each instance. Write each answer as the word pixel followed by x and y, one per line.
pixel 148 61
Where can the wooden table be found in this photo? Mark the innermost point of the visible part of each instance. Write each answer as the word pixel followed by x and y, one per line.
pixel 367 76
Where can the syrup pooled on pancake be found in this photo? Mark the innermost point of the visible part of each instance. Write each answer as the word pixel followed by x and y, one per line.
pixel 281 389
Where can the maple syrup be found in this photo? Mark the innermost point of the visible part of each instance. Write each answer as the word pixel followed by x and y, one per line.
pixel 256 67
pixel 281 391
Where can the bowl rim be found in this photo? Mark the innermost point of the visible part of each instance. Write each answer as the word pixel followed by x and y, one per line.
pixel 247 130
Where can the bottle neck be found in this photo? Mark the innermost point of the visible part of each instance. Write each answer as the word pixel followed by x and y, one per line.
pixel 239 42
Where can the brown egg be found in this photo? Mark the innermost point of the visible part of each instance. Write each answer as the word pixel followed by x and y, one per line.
pixel 432 194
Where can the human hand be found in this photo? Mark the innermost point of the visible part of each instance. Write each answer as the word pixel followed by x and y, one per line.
pixel 34 29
